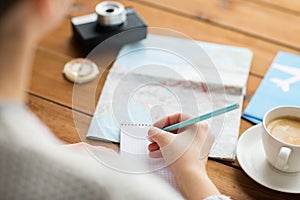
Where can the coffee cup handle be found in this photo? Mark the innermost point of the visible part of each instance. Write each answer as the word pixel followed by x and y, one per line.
pixel 282 158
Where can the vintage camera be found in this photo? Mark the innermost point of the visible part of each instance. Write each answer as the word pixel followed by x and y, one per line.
pixel 111 18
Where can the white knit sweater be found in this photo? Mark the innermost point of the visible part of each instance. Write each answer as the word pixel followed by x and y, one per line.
pixel 33 166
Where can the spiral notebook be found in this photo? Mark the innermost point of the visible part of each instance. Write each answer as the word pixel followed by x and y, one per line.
pixel 133 146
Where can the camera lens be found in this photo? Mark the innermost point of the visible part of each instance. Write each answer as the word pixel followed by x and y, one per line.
pixel 110 10
pixel 110 13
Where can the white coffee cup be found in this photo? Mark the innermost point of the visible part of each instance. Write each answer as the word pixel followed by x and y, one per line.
pixel 283 156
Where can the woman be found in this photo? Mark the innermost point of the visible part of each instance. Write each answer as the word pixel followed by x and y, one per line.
pixel 32 167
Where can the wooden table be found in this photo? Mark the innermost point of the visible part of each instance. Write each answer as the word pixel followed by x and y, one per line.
pixel 264 26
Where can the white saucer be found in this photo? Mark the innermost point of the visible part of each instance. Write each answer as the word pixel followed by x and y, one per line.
pixel 251 156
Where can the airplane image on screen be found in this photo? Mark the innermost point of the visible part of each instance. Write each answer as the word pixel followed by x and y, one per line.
pixel 285 84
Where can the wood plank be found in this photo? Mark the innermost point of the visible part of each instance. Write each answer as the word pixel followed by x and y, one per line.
pixel 238 185
pixel 230 181
pixel 264 52
pixel 47 79
pixel 290 5
pixel 61 121
pixel 252 84
pixel 81 7
pixel 245 16
pixel 48 82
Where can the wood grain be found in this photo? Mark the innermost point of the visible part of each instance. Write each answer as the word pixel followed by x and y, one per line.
pixel 264 52
pixel 243 16
pixel 292 6
pixel 61 122
pixel 239 186
pixel 48 82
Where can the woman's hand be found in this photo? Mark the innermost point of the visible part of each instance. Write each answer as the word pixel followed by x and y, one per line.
pixel 185 151
pixel 182 148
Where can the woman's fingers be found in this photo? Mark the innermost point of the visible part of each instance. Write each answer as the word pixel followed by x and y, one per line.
pixel 153 146
pixel 155 154
pixel 162 138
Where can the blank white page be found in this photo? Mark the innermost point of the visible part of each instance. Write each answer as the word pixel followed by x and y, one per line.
pixel 134 147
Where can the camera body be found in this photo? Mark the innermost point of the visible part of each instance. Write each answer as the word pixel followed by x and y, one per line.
pixel 110 19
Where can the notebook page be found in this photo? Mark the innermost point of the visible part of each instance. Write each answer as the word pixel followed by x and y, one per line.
pixel 134 147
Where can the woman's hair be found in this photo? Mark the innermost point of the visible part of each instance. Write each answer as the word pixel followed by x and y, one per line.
pixel 5 5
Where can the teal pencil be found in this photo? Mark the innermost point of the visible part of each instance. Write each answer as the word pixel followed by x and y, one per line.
pixel 201 118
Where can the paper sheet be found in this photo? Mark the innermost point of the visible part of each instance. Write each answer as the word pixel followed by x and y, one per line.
pixel 133 147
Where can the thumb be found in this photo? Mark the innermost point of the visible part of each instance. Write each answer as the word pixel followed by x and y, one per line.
pixel 161 137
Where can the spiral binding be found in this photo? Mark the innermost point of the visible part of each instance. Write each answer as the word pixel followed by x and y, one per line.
pixel 136 124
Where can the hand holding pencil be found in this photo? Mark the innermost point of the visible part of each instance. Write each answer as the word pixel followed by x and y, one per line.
pixel 178 123
pixel 181 149
pixel 185 143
